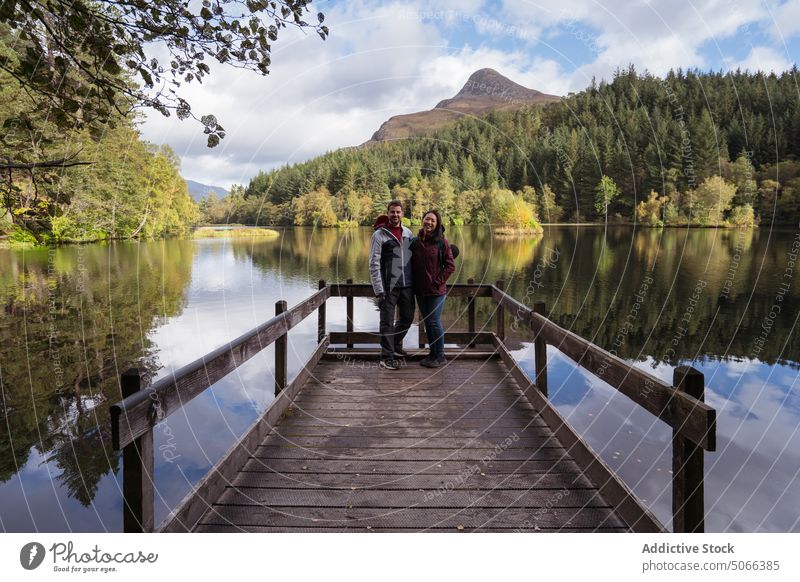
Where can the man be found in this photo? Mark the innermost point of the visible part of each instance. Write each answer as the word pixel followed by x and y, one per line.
pixel 390 271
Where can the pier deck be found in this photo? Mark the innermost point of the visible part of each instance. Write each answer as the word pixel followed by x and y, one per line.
pixel 456 448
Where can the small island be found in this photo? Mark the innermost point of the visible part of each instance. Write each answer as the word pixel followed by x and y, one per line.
pixel 234 232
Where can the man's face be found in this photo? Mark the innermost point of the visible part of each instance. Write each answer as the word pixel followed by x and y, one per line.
pixel 395 215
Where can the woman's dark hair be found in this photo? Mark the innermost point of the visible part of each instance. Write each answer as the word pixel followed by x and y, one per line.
pixel 438 231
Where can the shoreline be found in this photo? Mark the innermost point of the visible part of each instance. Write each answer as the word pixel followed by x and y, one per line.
pixel 274 230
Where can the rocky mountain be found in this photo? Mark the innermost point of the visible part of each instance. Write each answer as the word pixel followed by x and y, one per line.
pixel 486 90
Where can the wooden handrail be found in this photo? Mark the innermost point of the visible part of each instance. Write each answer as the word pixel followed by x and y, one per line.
pixel 137 414
pixel 692 418
pixel 454 290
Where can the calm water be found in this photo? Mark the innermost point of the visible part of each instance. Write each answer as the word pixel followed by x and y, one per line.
pixel 75 317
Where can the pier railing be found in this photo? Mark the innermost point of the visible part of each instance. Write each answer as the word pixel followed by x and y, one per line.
pixel 133 419
pixel 679 405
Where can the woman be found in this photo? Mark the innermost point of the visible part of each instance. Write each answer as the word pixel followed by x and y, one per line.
pixel 432 264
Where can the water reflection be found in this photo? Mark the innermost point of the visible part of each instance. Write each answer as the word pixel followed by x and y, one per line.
pixel 75 317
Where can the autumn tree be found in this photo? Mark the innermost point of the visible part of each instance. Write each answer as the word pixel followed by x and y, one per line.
pixel 605 192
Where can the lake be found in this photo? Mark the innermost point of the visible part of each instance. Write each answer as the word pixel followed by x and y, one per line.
pixel 75 317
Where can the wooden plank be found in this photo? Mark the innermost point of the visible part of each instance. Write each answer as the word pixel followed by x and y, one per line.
pixel 412 423
pixel 186 514
pixel 455 398
pixel 447 482
pixel 473 454
pixel 532 499
pixel 492 363
pixel 517 416
pixel 695 420
pixel 365 290
pixel 137 414
pixel 468 395
pixel 414 391
pixel 512 418
pixel 332 442
pixel 293 429
pixel 228 528
pixel 451 405
pixel 638 517
pixel 345 354
pixel 435 467
pixel 373 337
pixel 416 518
pixel 294 425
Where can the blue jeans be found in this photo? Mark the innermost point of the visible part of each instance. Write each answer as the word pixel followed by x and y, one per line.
pixel 431 307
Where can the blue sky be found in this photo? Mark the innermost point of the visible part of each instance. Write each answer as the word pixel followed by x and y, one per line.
pixel 388 58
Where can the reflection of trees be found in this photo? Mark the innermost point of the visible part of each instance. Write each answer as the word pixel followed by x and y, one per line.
pixel 718 324
pixel 75 318
pixel 312 253
pixel 592 287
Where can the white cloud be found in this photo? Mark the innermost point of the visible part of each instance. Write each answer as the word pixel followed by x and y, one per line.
pixel 657 35
pixel 386 59
pixel 762 58
pixel 786 20
pixel 318 96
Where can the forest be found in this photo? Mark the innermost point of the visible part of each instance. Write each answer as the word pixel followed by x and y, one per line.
pixel 84 183
pixel 693 148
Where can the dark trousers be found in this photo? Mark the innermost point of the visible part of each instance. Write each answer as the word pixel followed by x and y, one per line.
pixel 392 333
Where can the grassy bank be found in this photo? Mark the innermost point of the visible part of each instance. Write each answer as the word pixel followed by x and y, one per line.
pixel 243 232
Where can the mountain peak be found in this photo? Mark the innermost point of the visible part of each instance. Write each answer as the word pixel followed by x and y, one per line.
pixel 488 84
pixel 486 90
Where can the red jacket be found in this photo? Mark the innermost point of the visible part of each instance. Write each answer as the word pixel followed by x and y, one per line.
pixel 430 275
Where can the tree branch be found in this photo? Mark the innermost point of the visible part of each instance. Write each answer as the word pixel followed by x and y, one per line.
pixel 60 163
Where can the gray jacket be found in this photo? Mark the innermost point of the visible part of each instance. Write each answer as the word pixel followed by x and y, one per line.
pixel 389 260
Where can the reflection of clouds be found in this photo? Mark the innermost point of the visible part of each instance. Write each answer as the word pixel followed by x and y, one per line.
pixel 233 296
pixel 31 491
pixel 751 480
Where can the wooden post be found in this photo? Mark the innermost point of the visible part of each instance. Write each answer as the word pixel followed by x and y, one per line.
pixel 321 315
pixel 540 353
pixel 471 312
pixel 420 328
pixel 280 352
pixel 349 308
pixel 501 313
pixel 137 470
pixel 687 463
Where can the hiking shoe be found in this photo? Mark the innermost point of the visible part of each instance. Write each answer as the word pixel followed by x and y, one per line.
pixel 434 362
pixel 400 353
pixel 389 365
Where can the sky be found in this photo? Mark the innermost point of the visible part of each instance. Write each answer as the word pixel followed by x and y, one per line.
pixel 388 58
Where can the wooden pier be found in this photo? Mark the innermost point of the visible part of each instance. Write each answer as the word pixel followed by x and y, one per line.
pixel 472 446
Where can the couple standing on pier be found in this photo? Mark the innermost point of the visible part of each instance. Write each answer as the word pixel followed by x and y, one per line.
pixel 402 266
